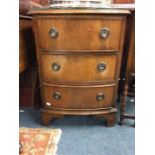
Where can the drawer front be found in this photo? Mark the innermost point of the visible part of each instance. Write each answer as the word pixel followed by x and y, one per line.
pixel 79 34
pixel 78 97
pixel 79 68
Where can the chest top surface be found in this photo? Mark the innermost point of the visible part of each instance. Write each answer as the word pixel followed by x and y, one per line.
pixel 48 11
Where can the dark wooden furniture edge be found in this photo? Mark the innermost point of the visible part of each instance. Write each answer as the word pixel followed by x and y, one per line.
pixel 25 17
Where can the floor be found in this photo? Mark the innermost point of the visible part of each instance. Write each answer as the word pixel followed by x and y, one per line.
pixel 87 135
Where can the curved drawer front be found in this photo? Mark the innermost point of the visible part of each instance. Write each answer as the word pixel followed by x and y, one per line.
pixel 79 68
pixel 67 97
pixel 79 34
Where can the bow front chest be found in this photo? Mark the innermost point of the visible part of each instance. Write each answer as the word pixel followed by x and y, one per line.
pixel 79 55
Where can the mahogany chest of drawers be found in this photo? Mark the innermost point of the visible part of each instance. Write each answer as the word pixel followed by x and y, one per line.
pixel 79 54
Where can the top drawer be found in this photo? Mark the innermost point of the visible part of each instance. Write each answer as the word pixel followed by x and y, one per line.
pixel 80 33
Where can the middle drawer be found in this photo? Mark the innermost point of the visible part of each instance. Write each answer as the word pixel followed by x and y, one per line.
pixel 78 68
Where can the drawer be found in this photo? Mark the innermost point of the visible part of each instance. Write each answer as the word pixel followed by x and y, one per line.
pixel 81 68
pixel 94 33
pixel 78 97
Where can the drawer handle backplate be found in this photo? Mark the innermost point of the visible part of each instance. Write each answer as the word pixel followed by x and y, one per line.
pixel 101 66
pixel 56 66
pixel 57 96
pixel 100 96
pixel 104 33
pixel 53 33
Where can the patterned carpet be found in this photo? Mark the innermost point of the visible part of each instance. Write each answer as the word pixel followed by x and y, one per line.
pixel 37 141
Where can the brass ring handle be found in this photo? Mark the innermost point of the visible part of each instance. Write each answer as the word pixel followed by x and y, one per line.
pixel 101 66
pixel 104 33
pixel 56 66
pixel 57 96
pixel 53 33
pixel 100 96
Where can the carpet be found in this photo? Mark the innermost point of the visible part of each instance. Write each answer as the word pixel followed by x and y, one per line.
pixel 37 141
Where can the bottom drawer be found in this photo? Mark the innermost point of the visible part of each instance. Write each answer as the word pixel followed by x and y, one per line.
pixel 78 97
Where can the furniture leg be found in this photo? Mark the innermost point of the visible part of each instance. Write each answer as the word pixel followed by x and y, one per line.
pixel 123 104
pixel 46 118
pixel 110 119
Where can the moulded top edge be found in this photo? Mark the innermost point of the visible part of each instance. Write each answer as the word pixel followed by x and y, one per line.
pixel 48 11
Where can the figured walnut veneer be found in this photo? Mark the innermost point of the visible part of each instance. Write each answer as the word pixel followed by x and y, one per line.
pixel 79 55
